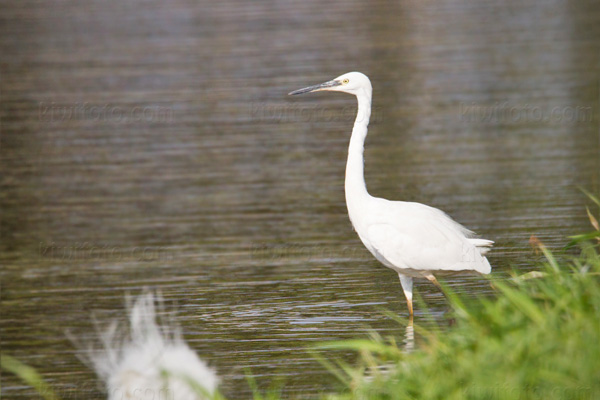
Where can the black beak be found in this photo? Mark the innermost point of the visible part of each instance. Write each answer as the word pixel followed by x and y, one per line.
pixel 314 88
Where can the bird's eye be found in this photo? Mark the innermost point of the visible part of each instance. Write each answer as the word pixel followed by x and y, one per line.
pixel 345 81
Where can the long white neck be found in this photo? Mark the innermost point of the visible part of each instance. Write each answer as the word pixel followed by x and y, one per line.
pixel 356 189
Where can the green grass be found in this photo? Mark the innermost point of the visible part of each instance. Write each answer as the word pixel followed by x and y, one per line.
pixel 28 375
pixel 537 338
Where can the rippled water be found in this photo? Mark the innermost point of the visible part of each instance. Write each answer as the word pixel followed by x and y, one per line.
pixel 153 145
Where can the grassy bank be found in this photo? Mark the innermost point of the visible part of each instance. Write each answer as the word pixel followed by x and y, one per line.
pixel 538 338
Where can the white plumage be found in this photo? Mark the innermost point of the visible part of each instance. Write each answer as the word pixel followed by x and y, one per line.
pixel 423 239
pixel 413 239
pixel 149 360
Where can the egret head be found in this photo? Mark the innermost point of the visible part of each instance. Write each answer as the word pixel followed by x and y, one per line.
pixel 355 83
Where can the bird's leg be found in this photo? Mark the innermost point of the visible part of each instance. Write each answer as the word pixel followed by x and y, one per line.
pixel 407 284
pixel 432 279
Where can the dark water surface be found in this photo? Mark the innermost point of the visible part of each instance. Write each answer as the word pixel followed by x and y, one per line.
pixel 152 144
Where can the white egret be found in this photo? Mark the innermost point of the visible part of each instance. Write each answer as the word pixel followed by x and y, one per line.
pixel 415 240
pixel 149 360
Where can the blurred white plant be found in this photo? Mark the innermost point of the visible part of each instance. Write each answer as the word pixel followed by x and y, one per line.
pixel 150 360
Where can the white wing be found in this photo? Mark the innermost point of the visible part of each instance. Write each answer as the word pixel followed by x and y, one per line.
pixel 419 237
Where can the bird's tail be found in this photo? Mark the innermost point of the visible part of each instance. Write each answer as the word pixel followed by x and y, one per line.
pixel 483 245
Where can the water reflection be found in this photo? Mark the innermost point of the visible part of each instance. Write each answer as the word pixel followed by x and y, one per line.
pixel 409 336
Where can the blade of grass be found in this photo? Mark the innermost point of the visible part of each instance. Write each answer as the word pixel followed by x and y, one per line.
pixel 28 375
